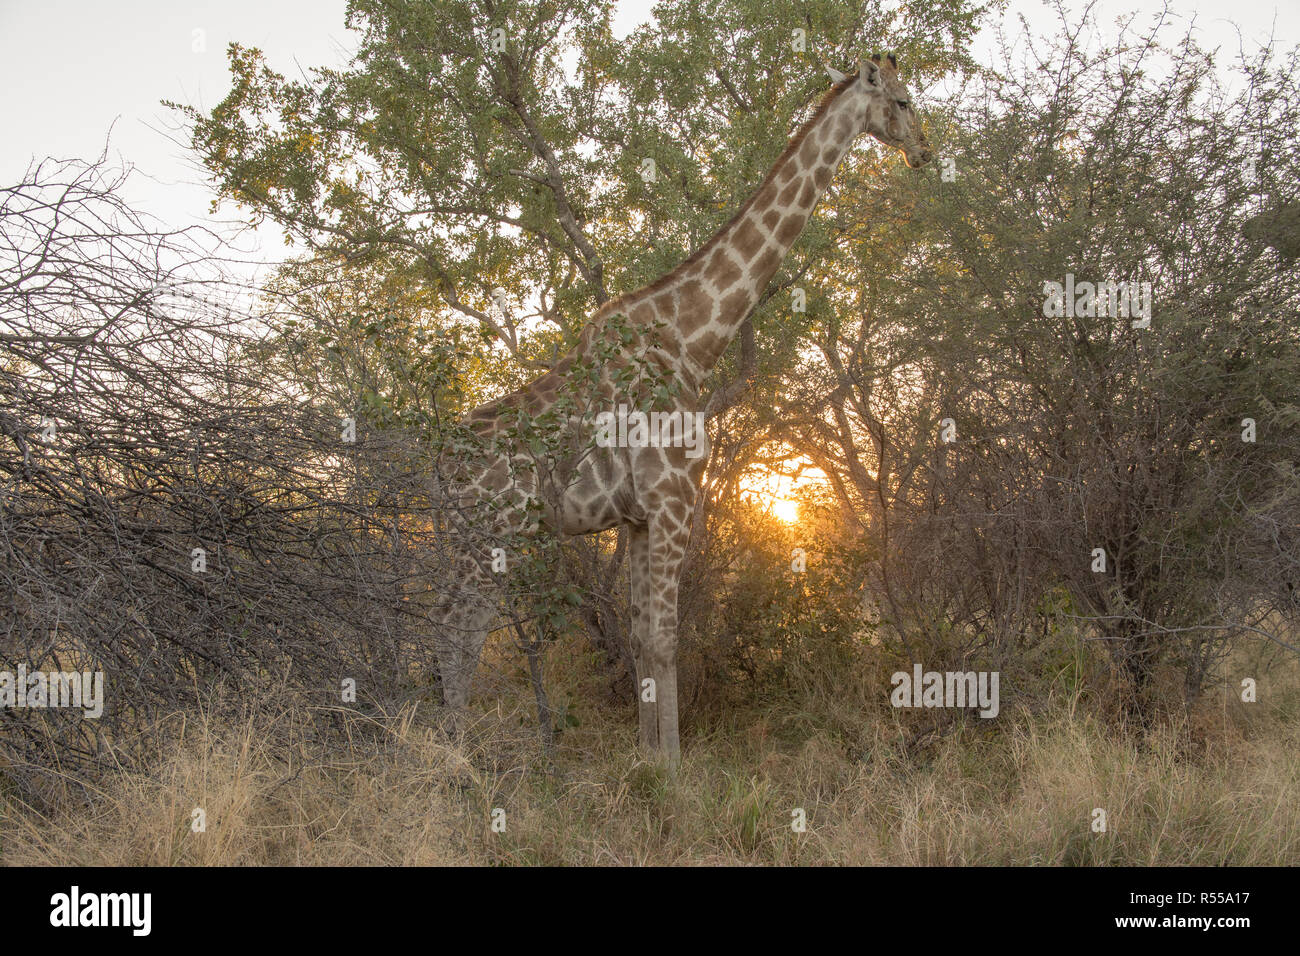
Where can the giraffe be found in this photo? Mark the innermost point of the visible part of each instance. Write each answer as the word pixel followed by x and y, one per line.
pixel 648 348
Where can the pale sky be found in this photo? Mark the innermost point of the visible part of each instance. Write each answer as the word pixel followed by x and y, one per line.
pixel 70 68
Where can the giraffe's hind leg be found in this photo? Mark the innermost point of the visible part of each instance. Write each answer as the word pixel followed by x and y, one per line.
pixel 461 625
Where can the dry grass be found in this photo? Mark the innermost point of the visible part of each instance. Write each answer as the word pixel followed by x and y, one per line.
pixel 1221 788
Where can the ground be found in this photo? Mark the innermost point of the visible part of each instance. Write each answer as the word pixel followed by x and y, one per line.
pixel 1221 787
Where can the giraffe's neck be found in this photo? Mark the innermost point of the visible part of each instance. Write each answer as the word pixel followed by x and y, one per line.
pixel 711 294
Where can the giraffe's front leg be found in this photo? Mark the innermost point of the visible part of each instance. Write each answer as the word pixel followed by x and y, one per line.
pixel 658 552
pixel 646 689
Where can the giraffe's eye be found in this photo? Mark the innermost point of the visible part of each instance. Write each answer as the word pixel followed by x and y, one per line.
pixel 903 103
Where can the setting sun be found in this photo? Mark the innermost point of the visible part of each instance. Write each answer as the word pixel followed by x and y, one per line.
pixel 786 510
pixel 778 488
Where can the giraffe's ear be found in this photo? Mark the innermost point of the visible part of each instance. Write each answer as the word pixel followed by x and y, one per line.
pixel 835 75
pixel 870 71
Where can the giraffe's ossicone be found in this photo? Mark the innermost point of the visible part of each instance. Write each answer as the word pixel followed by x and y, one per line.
pixel 611 436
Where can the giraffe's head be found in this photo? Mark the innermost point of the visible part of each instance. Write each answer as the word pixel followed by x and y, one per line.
pixel 887 112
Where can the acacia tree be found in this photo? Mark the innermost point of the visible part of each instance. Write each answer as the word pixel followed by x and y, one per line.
pixel 175 514
pixel 1013 465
